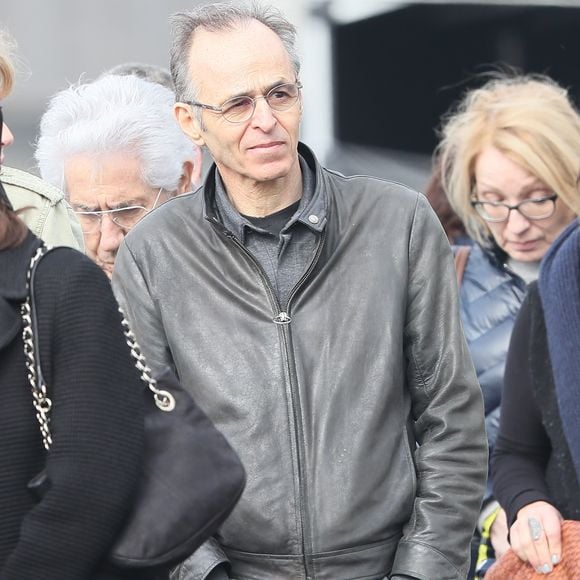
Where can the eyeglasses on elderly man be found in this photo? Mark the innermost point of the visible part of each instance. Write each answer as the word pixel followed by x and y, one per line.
pixel 124 217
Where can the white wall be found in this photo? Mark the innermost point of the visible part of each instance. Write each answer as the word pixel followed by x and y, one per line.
pixel 60 40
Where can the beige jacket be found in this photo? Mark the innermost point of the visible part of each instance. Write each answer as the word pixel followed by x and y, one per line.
pixel 48 214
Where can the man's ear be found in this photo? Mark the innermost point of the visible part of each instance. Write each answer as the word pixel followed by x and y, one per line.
pixel 187 181
pixel 197 169
pixel 188 123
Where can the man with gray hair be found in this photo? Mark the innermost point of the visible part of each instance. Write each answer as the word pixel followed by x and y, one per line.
pixel 314 317
pixel 115 149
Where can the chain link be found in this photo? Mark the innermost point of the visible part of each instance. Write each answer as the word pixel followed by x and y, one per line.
pixel 42 404
pixel 164 400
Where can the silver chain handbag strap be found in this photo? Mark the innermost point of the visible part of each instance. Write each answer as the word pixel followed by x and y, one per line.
pixel 164 400
pixel 40 400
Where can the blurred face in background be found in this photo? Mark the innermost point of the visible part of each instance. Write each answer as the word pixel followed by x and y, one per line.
pixel 6 137
pixel 109 197
pixel 498 179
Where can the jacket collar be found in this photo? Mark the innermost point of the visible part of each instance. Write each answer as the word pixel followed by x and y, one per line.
pixel 14 267
pixel 209 188
pixel 495 254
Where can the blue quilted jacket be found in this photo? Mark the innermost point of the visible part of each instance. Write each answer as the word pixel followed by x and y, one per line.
pixel 491 296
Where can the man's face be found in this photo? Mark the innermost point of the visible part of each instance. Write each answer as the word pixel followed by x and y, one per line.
pixel 249 60
pixel 112 182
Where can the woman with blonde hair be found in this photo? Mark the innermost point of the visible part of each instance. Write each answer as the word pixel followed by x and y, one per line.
pixel 42 207
pixel 97 423
pixel 510 157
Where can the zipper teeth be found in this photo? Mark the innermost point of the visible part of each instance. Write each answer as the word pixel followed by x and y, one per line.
pixel 308 272
pixel 306 535
pixel 299 448
pixel 293 383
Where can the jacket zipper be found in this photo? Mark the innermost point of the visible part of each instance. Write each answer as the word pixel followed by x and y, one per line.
pixel 307 544
pixel 283 319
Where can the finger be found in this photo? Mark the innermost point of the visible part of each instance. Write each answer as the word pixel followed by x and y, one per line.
pixel 516 541
pixel 537 547
pixel 553 531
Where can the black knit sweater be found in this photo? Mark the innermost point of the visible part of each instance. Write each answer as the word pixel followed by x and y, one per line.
pixel 531 460
pixel 97 421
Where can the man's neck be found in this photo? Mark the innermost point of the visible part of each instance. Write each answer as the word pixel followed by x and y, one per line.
pixel 263 198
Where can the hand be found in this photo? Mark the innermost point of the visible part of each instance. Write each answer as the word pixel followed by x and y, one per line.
pixel 499 534
pixel 536 536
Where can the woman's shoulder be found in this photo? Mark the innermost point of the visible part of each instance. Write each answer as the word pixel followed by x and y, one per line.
pixel 67 277
pixel 63 263
pixel 484 272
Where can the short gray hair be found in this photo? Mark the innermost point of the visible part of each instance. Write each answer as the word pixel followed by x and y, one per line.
pixel 150 72
pixel 122 114
pixel 216 17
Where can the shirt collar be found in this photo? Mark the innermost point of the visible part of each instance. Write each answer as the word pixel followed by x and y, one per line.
pixel 311 211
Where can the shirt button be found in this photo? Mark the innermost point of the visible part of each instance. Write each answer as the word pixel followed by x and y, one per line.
pixel 313 219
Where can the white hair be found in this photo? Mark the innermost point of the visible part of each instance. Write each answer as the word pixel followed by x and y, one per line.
pixel 114 114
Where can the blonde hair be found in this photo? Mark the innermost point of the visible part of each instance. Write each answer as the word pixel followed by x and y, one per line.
pixel 6 66
pixel 531 120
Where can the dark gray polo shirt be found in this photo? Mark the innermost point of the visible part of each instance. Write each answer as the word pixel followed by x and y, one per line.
pixel 284 258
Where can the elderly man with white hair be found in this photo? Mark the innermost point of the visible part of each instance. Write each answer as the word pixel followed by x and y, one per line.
pixel 116 150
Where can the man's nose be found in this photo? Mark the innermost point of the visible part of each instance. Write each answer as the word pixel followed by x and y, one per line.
pixel 111 235
pixel 263 117
pixel 517 223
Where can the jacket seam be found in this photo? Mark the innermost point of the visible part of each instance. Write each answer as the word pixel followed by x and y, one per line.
pixel 411 239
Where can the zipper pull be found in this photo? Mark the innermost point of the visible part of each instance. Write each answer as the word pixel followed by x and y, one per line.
pixel 282 318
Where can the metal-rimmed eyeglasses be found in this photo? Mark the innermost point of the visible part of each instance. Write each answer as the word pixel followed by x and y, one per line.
pixel 124 217
pixel 241 109
pixel 534 209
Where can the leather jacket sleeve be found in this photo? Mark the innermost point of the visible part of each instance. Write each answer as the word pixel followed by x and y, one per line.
pixel 447 410
pixel 136 300
pixel 140 308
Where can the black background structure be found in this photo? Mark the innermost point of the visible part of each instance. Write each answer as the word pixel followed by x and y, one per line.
pixel 397 73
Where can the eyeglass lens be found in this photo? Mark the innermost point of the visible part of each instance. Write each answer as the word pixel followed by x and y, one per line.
pixel 125 217
pixel 280 98
pixel 534 209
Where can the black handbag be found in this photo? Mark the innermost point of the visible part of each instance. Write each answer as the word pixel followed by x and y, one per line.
pixel 191 480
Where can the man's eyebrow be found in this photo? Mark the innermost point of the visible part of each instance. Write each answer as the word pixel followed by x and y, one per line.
pixel 82 207
pixel 265 91
pixel 123 204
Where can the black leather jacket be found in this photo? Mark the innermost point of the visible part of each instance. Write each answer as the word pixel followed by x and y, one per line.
pixel 358 418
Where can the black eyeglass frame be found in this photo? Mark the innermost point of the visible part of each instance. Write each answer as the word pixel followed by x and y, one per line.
pixel 478 203
pixel 222 107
